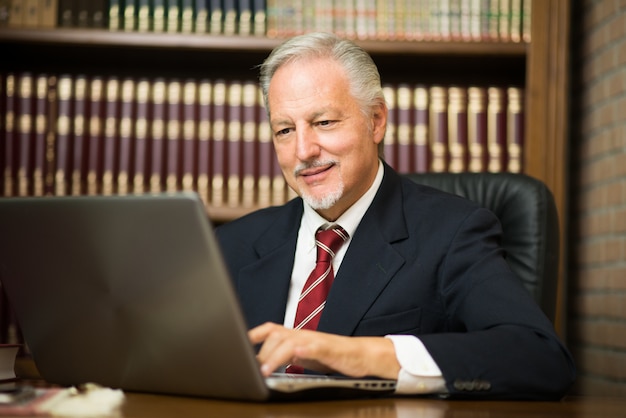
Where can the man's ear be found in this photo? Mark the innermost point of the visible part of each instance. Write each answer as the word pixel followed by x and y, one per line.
pixel 379 121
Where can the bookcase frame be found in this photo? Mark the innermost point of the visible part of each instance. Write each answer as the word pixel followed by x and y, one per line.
pixel 541 66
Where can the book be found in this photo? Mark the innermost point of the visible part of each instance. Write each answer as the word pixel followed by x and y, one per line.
pixel 16 13
pixel 143 16
pixel 10 135
pixel 216 17
pixel 98 13
pixel 245 19
pixel 158 15
pixel 404 103
pixel 173 135
pixel 95 128
pixel 201 19
pixel 230 22
pixel 186 16
pixel 477 129
pixel 250 106
pixel 172 16
pixel 24 127
pixel 83 13
pixel 79 146
pixel 141 136
pixel 457 129
pixel 157 157
pixel 233 136
pixel 438 123
pixel 515 129
pixel 111 135
pixel 41 126
pixel 115 14
pixel 53 110
pixel 189 125
pixel 205 93
pixel 421 150
pixel 496 129
pixel 126 140
pixel 260 18
pixel 63 150
pixel 30 18
pixel 265 152
pixel 218 137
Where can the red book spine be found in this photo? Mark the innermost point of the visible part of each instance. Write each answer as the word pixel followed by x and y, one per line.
pixel 158 135
pixel 477 129
pixel 439 128
pixel 189 134
pixel 421 149
pixel 266 155
pixel 174 99
pixel 141 136
pixel 51 119
pixel 457 129
pixel 111 134
pixel 404 94
pixel 515 129
pixel 249 135
pixel 63 145
pixel 127 118
pixel 95 128
pixel 3 113
pixel 79 150
pixel 24 125
pixel 217 138
pixel 205 91
pixel 496 129
pixel 234 100
pixel 10 142
pixel 41 119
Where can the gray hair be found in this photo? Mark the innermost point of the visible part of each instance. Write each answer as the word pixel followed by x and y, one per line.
pixel 362 73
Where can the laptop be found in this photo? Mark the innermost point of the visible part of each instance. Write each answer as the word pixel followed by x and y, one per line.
pixel 131 292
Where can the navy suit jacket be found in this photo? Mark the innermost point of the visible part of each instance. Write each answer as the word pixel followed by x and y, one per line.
pixel 421 262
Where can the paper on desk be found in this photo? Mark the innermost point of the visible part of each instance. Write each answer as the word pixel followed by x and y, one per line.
pixel 89 400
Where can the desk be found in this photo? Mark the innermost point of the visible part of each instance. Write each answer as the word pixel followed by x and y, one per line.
pixel 156 406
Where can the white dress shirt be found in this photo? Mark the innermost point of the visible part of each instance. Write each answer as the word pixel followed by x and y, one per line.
pixel 419 373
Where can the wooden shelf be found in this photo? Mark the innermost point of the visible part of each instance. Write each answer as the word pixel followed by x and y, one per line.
pixel 95 37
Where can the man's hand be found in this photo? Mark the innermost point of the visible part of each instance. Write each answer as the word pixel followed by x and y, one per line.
pixel 322 352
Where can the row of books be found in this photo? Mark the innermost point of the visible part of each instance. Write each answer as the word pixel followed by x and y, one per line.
pixel 76 134
pixel 466 20
pixel 414 20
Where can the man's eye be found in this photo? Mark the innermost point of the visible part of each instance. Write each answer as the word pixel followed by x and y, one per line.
pixel 283 131
pixel 325 122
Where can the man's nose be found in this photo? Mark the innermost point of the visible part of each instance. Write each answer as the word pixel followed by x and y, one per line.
pixel 307 144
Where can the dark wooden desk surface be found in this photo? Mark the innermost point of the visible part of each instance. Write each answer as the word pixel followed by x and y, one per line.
pixel 155 406
pixel 138 405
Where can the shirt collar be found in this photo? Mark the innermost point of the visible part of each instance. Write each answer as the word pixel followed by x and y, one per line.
pixel 351 218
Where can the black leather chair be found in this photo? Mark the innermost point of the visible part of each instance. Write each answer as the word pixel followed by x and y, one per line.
pixel 527 212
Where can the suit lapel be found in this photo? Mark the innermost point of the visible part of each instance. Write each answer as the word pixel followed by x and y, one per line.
pixel 371 260
pixel 264 296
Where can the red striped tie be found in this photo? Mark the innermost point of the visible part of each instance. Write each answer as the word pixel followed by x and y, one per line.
pixel 313 297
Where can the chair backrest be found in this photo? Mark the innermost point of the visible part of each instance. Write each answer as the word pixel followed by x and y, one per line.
pixel 527 212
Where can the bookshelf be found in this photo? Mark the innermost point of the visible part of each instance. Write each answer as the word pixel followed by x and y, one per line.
pixel 540 66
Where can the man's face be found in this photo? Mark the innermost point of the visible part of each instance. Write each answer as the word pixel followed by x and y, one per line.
pixel 326 147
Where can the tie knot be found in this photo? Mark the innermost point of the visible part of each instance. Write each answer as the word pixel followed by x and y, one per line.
pixel 328 241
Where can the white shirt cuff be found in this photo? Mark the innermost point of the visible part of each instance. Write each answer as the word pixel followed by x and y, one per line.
pixel 419 374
